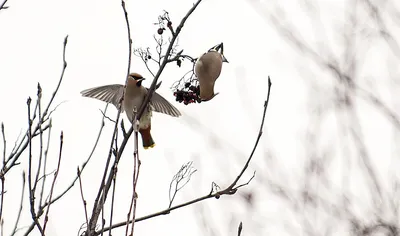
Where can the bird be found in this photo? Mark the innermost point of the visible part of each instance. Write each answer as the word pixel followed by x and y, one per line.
pixel 207 69
pixel 134 96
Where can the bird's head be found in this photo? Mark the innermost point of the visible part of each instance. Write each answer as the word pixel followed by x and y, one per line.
pixel 136 79
pixel 219 48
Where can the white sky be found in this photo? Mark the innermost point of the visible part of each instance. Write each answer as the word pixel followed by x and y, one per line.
pixel 219 133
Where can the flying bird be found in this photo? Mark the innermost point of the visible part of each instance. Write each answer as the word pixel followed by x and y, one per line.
pixel 134 96
pixel 207 69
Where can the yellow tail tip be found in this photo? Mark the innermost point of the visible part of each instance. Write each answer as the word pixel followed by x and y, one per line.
pixel 151 146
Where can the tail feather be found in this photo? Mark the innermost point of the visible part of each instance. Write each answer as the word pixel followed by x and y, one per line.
pixel 147 140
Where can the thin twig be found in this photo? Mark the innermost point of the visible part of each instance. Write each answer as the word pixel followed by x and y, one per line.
pixel 258 137
pixel 165 60
pixel 105 188
pixel 2 197
pixel 184 173
pixel 83 165
pixel 14 155
pixel 2 177
pixel 20 205
pixel 136 169
pixel 113 198
pixel 46 216
pixel 46 152
pixel 230 190
pixel 103 191
pixel 22 146
pixel 39 101
pixel 31 190
pixel 133 204
pixel 105 116
pixel 240 228
pixel 2 5
pixel 4 144
pixel 82 196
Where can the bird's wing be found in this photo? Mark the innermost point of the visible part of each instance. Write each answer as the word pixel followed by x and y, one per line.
pixel 108 93
pixel 160 104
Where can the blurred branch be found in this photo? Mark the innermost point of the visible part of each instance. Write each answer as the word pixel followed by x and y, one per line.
pixel 240 229
pixel 230 190
pixel 2 5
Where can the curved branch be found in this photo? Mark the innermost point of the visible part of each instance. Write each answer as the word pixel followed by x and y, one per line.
pixel 230 190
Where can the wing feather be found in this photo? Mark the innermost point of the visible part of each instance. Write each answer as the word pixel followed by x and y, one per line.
pixel 160 104
pixel 108 93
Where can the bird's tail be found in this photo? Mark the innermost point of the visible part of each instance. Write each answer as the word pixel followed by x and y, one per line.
pixel 147 140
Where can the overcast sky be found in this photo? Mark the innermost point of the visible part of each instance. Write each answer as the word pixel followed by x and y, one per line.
pixel 217 136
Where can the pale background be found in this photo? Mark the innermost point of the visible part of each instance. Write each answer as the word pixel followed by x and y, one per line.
pixel 302 122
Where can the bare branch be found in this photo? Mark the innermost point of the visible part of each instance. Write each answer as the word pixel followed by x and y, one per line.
pixel 183 175
pixel 31 190
pixel 105 186
pixel 4 144
pixel 21 147
pixel 258 137
pixel 240 228
pixel 165 61
pixel 45 164
pixel 20 205
pixel 2 5
pixel 82 196
pixel 230 190
pixel 54 181
pixel 39 101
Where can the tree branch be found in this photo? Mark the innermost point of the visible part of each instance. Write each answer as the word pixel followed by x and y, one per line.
pixel 230 190
pixel 104 189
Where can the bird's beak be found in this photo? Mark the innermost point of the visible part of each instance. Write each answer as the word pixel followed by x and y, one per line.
pixel 224 59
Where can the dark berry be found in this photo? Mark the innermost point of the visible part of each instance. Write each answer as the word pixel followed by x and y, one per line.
pixel 179 62
pixel 169 24
pixel 187 85
pixel 148 57
pixel 160 31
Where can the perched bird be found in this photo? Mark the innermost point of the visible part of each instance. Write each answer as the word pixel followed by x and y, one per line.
pixel 207 69
pixel 134 96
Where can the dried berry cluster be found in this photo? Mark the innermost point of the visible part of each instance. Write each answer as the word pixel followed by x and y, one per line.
pixel 189 94
pixel 161 23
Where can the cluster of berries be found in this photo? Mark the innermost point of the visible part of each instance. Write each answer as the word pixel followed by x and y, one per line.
pixel 160 30
pixel 189 94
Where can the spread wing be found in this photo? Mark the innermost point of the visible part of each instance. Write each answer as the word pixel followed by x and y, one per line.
pixel 108 93
pixel 160 104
